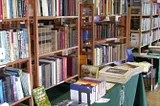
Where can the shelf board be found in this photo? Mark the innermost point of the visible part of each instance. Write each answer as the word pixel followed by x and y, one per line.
pixel 15 62
pixel 25 98
pixel 14 19
pixel 58 51
pixel 155 15
pixel 140 15
pixel 86 28
pixel 54 17
pixel 144 45
pixel 101 41
pixel 110 39
pixel 140 31
pixel 121 37
pixel 155 28
pixel 111 62
pixel 134 31
pixel 145 30
pixel 135 15
pixel 62 82
pixel 146 15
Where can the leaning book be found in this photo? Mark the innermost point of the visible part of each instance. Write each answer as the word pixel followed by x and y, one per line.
pixel 89 71
pixel 40 97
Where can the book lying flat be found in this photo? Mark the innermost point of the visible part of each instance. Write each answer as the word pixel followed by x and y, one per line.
pixel 119 74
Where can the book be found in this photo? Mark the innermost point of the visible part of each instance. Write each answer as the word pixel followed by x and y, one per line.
pixel 119 74
pixel 1 92
pixel 89 71
pixel 40 97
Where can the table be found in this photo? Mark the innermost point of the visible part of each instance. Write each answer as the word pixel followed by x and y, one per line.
pixel 155 61
pixel 134 93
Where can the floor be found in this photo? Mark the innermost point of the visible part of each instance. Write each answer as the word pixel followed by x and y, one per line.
pixel 153 98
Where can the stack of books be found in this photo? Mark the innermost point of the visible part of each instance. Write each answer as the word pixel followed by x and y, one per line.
pixel 94 89
pixel 119 74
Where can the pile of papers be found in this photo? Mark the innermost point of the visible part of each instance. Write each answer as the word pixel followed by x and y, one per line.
pixel 119 74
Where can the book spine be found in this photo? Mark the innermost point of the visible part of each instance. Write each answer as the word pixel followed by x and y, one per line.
pixel 8 90
pixel 1 10
pixel 19 8
pixel 1 92
pixel 14 89
pixel 41 9
pixel 4 91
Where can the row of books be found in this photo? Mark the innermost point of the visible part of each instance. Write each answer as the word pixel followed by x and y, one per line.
pixel 155 8
pixel 55 69
pixel 13 9
pixel 155 22
pixel 135 23
pixel 13 45
pixel 145 39
pixel 155 35
pixel 137 2
pixel 119 74
pixel 134 39
pixel 109 53
pixel 57 8
pixel 14 85
pixel 90 89
pixel 146 8
pixel 146 22
pixel 60 37
pixel 103 31
pixel 107 7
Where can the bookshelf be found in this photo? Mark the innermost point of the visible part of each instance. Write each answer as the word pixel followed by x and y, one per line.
pixel 93 37
pixel 15 27
pixel 63 50
pixel 144 34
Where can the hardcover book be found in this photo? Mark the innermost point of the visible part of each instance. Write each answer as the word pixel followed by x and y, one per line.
pixel 89 71
pixel 40 97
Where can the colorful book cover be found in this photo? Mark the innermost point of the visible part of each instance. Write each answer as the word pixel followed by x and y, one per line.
pixel 89 71
pixel 40 97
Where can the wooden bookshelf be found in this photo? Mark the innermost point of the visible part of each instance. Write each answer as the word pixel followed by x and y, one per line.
pixel 35 37
pixel 19 63
pixel 141 33
pixel 90 26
